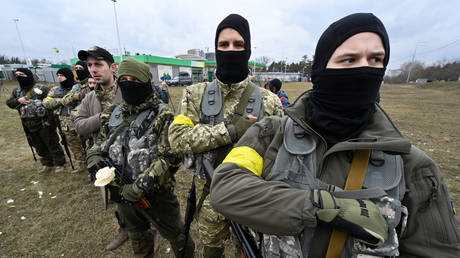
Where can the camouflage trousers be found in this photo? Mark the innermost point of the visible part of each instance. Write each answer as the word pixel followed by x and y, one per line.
pixel 75 145
pixel 213 227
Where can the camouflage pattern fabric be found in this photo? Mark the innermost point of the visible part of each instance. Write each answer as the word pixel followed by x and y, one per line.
pixel 51 102
pixel 195 137
pixel 75 146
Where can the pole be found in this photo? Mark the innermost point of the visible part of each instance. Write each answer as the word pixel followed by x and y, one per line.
pixel 118 32
pixel 411 65
pixel 20 38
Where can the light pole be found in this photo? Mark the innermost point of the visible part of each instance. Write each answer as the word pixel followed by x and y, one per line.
pixel 254 68
pixel 20 38
pixel 118 33
pixel 413 59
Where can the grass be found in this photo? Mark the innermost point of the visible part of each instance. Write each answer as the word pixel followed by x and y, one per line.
pixel 69 220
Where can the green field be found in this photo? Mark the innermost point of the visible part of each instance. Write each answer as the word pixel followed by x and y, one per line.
pixel 68 220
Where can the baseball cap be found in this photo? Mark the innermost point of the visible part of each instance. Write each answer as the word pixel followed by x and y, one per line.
pixel 96 52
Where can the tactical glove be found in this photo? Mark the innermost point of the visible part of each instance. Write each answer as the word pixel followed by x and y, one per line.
pixel 131 192
pixel 359 218
pixel 239 128
pixel 94 161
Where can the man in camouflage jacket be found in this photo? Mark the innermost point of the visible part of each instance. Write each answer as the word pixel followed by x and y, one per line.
pixel 190 135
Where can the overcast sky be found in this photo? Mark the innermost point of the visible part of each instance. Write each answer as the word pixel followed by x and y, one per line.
pixel 280 30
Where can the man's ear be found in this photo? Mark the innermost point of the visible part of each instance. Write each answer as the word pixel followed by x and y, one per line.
pixel 113 67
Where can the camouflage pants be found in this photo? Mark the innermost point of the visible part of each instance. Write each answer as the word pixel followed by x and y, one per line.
pixel 164 214
pixel 213 227
pixel 75 146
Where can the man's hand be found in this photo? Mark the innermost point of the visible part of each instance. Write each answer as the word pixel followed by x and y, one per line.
pixel 24 101
pixel 359 218
pixel 131 193
pixel 239 128
pixel 94 161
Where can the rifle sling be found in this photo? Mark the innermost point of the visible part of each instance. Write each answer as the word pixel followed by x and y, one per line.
pixel 354 181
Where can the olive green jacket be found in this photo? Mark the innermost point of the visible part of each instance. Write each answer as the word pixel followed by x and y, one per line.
pixel 274 207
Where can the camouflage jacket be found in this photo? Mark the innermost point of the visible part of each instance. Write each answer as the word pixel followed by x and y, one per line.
pixel 187 135
pixel 242 179
pixel 56 103
pixel 70 98
pixel 159 173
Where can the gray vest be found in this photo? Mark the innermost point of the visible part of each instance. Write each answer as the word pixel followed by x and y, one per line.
pixel 384 184
pixel 131 145
pixel 212 113
pixel 62 110
pixel 35 108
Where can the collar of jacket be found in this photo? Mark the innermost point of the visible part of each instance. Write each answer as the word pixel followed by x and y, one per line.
pixel 235 87
pixel 84 81
pixel 380 134
pixel 102 93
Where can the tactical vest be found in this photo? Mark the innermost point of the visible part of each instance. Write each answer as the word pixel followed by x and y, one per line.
pixel 131 144
pixel 212 113
pixel 384 184
pixel 34 109
pixel 62 110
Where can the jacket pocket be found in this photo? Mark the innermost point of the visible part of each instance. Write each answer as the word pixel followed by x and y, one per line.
pixel 433 209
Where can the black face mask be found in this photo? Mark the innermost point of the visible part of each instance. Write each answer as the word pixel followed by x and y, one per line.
pixel 25 82
pixel 232 66
pixel 134 93
pixel 343 101
pixel 82 74
pixel 67 84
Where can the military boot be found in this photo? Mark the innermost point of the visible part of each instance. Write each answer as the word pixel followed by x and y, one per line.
pixel 81 168
pixel 58 169
pixel 212 252
pixel 45 169
pixel 142 243
pixel 177 244
pixel 119 239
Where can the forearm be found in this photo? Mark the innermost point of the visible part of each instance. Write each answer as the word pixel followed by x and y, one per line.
pixel 270 207
pixel 68 99
pixel 188 139
pixel 52 103
pixel 86 125
pixel 13 102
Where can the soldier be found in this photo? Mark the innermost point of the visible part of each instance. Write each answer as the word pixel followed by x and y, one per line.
pixel 275 87
pixel 62 109
pixel 38 123
pixel 134 137
pixel 73 99
pixel 213 116
pixel 106 93
pixel 337 163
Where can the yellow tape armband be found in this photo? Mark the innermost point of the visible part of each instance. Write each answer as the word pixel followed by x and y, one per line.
pixel 48 97
pixel 246 157
pixel 183 120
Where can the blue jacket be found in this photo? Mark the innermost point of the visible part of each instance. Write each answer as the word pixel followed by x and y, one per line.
pixel 283 98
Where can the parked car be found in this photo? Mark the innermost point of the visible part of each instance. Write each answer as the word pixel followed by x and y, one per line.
pixel 180 80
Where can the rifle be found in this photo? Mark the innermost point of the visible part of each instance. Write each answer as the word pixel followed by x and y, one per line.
pixel 189 214
pixel 247 242
pixel 29 139
pixel 64 141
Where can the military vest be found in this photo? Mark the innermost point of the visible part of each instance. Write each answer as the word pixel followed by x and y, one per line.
pixel 384 184
pixel 62 110
pixel 212 113
pixel 131 144
pixel 34 109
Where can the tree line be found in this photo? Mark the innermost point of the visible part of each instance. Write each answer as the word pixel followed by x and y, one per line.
pixel 303 66
pixel 440 71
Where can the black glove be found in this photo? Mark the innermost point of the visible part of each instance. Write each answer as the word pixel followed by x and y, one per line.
pixel 131 193
pixel 359 218
pixel 239 128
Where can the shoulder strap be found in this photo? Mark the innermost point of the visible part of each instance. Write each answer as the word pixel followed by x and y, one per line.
pixel 244 102
pixel 355 181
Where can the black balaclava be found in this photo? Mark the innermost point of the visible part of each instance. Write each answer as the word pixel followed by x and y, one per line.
pixel 82 74
pixel 342 101
pixel 25 82
pixel 134 93
pixel 232 66
pixel 69 82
